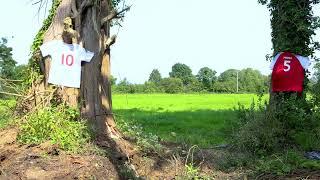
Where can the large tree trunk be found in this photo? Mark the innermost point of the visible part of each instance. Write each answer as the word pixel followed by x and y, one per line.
pixel 95 92
pixel 91 105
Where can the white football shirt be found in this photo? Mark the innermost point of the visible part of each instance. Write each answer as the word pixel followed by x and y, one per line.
pixel 66 60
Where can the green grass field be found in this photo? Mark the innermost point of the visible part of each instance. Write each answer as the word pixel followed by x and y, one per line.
pixel 199 119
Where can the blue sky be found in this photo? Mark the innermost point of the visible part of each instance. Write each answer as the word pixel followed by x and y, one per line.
pixel 157 34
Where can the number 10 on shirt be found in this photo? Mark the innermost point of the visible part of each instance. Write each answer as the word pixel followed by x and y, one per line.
pixel 68 60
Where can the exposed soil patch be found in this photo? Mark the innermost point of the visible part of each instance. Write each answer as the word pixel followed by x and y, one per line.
pixel 46 161
pixel 40 162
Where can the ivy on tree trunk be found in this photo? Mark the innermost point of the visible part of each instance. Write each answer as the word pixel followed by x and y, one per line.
pixel 293 26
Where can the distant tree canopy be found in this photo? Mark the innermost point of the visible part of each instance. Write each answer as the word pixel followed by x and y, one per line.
pixel 227 81
pixel 182 72
pixel 155 76
pixel 228 75
pixel 172 85
pixel 251 80
pixel 207 77
pixel 9 72
pixel 7 64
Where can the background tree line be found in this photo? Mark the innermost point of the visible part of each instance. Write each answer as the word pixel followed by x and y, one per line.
pixel 8 66
pixel 11 74
pixel 181 80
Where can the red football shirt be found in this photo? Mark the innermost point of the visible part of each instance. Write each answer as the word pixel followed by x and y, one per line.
pixel 287 74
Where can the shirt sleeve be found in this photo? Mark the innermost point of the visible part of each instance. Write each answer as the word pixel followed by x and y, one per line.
pixel 85 55
pixel 304 61
pixel 47 48
pixel 274 60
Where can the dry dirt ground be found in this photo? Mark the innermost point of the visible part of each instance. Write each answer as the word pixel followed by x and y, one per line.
pixel 46 161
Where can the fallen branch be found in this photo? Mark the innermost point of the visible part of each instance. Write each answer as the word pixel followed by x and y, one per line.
pixel 9 80
pixel 39 93
pixel 44 101
pixel 11 94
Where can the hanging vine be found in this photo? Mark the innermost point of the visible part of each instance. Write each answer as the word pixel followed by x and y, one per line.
pixel 33 65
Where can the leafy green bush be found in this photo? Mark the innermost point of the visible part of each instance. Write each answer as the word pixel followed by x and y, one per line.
pixel 6 113
pixel 56 124
pixel 151 87
pixel 266 128
pixel 172 85
pixel 194 86
pixel 308 140
pixel 275 135
pixel 285 162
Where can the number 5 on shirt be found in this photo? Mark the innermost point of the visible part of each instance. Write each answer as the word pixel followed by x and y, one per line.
pixel 286 64
pixel 68 60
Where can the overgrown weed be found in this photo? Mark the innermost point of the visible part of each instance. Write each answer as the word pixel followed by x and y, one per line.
pixel 147 142
pixel 192 170
pixel 58 124
pixel 273 137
